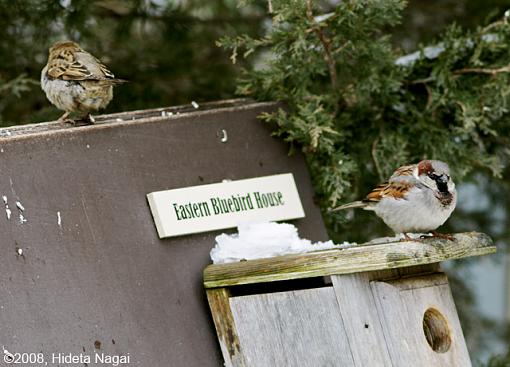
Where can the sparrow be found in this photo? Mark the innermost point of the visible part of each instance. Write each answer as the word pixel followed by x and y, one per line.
pixel 416 198
pixel 75 81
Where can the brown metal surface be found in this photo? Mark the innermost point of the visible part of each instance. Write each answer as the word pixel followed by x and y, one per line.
pixel 100 276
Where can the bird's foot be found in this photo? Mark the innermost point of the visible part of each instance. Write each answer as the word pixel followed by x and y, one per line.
pixel 86 120
pixel 409 238
pixel 64 119
pixel 445 236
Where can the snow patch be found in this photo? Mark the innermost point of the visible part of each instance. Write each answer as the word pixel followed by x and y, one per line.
pixel 262 240
pixel 432 52
pixel 323 17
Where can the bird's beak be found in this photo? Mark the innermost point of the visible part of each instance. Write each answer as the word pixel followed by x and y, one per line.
pixel 442 180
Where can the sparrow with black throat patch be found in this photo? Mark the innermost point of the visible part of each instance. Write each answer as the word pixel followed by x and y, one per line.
pixel 417 198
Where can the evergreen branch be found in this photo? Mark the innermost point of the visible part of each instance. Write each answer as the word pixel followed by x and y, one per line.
pixel 374 158
pixel 504 69
pixel 494 25
pixel 332 116
pixel 422 80
pixel 326 44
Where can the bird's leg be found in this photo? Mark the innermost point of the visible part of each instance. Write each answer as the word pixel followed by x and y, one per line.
pixel 445 236
pixel 411 239
pixel 64 118
pixel 406 237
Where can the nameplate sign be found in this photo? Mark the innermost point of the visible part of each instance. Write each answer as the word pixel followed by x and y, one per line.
pixel 225 205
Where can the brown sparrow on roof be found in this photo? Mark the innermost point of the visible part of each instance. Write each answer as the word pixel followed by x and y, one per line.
pixel 416 198
pixel 75 81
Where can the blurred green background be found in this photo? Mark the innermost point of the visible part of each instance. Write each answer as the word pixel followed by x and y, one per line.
pixel 166 49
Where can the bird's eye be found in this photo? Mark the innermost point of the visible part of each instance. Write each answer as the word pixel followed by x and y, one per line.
pixel 432 176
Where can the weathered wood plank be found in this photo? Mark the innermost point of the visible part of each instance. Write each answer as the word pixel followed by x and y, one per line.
pixel 351 260
pixel 359 315
pixel 225 327
pixel 401 306
pixel 292 329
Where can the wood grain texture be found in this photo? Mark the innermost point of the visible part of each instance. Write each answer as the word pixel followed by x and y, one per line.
pixel 361 322
pixel 225 327
pixel 401 306
pixel 351 260
pixel 292 329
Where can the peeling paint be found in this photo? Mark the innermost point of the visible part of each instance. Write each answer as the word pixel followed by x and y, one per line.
pixel 20 206
pixel 8 356
pixel 8 211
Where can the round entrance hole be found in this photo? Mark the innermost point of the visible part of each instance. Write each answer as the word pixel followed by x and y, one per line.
pixel 436 331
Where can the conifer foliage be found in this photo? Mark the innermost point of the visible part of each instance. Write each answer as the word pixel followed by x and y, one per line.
pixel 358 108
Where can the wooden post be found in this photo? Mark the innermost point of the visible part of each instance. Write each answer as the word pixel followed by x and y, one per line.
pixel 386 305
pixel 224 322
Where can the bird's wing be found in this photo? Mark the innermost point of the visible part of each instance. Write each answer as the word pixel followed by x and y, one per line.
pixel 96 67
pixel 396 189
pixel 68 70
pixel 78 66
pixel 403 171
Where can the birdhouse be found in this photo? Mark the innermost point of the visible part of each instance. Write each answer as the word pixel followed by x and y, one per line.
pixel 385 304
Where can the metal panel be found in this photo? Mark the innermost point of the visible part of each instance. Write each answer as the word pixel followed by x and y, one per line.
pixel 92 267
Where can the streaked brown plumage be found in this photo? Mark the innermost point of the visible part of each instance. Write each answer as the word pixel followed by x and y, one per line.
pixel 75 81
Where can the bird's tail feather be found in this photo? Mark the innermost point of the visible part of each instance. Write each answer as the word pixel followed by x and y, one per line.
pixel 118 81
pixel 108 81
pixel 354 204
